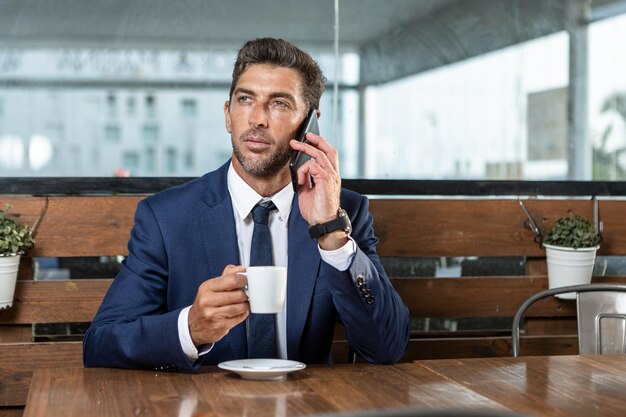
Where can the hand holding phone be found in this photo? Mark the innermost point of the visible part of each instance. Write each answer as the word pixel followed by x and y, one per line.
pixel 299 158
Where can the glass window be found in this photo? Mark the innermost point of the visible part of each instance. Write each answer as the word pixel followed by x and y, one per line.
pixel 111 105
pixel 188 107
pixel 170 160
pixel 41 151
pixel 150 106
pixel 150 134
pixel 189 159
pixel 470 120
pixel 130 161
pixel 12 152
pixel 112 133
pixel 150 160
pixel 607 99
pixel 131 106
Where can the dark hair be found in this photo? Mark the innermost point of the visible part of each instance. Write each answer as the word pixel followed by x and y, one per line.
pixel 281 53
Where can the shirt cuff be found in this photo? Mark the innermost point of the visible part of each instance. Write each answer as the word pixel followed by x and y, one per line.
pixel 340 258
pixel 186 343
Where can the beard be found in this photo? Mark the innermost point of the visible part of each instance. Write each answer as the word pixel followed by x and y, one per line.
pixel 270 165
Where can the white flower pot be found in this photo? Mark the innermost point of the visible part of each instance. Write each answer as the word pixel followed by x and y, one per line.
pixel 569 266
pixel 8 278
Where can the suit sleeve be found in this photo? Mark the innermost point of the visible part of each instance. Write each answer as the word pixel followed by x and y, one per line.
pixel 133 327
pixel 376 320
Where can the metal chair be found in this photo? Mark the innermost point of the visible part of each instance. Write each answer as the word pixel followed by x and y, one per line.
pixel 601 311
pixel 425 413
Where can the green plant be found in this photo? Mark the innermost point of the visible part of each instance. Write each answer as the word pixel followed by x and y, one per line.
pixel 15 238
pixel 573 231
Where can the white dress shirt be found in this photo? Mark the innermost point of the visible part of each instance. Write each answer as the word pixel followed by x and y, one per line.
pixel 244 198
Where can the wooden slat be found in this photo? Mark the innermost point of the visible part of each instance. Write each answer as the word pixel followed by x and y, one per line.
pixel 483 347
pixel 62 301
pixel 78 300
pixel 475 347
pixel 466 227
pixel 612 214
pixel 25 270
pixel 28 356
pixel 536 266
pixel 470 297
pixel 78 226
pixel 482 296
pixel 482 227
pixel 100 225
pixel 16 333
pixel 540 326
pixel 14 387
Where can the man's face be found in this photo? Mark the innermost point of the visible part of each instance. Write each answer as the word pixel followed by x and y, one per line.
pixel 264 113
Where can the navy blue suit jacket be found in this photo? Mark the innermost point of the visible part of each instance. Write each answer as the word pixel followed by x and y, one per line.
pixel 185 235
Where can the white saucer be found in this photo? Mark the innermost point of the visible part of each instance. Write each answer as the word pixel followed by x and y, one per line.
pixel 263 369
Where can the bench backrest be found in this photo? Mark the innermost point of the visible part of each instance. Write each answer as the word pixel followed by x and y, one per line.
pixel 74 226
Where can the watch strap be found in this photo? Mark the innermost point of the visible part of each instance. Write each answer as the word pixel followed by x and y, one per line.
pixel 341 222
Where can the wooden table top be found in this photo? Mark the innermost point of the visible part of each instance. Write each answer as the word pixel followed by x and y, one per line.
pixel 550 386
pixel 544 385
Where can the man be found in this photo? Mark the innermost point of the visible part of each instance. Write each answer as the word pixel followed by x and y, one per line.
pixel 178 301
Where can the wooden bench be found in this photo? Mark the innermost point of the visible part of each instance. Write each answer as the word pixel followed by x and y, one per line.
pixel 99 225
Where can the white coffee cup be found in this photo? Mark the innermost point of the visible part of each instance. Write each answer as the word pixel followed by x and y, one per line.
pixel 267 287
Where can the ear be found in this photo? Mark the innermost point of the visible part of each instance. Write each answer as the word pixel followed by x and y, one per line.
pixel 229 126
pixel 319 113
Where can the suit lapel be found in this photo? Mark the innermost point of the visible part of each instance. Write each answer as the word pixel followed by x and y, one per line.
pixel 304 263
pixel 220 235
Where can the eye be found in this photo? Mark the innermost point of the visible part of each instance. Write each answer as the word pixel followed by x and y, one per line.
pixel 243 99
pixel 280 103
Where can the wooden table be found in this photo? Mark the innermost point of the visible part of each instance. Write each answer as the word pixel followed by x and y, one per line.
pixel 550 386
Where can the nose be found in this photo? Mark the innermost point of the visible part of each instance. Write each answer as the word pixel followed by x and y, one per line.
pixel 258 117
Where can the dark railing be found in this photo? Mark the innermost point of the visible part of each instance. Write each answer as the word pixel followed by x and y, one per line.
pixel 150 185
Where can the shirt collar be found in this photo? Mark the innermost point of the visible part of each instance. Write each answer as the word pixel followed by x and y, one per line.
pixel 244 197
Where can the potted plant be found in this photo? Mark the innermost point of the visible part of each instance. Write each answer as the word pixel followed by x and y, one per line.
pixel 15 240
pixel 571 246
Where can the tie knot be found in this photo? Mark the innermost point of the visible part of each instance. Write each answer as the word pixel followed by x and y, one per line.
pixel 261 212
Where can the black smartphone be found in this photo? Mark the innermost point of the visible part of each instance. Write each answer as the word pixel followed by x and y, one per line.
pixel 299 158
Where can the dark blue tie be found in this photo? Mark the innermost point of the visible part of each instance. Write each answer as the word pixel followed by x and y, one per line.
pixel 261 327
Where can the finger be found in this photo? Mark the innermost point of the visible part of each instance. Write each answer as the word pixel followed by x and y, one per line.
pixel 233 269
pixel 207 299
pixel 325 146
pixel 228 282
pixel 233 310
pixel 217 314
pixel 320 175
pixel 226 298
pixel 304 178
pixel 234 320
pixel 320 157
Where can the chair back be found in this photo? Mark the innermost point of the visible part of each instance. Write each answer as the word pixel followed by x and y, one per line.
pixel 601 311
pixel 602 323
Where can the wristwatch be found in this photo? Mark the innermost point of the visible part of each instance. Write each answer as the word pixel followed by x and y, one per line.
pixel 342 222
